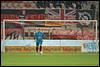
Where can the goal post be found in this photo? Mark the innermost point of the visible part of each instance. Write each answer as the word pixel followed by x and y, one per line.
pixel 53 28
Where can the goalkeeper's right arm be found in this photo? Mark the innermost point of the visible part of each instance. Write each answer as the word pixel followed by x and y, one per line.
pixel 35 37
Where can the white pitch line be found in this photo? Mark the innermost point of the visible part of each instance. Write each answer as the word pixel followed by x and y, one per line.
pixel 55 54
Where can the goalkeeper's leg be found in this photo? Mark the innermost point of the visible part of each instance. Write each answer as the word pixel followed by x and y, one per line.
pixel 36 49
pixel 37 44
pixel 41 47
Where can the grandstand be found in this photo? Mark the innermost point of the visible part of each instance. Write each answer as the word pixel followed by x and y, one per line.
pixel 31 10
pixel 46 4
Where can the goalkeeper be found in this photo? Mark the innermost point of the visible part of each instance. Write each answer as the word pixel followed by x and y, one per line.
pixel 39 39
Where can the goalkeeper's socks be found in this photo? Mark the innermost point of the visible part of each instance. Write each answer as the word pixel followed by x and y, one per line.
pixel 40 48
pixel 37 49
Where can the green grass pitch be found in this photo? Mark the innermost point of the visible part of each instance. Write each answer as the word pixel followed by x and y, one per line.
pixel 50 59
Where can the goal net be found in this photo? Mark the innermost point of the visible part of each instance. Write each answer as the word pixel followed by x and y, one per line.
pixel 79 34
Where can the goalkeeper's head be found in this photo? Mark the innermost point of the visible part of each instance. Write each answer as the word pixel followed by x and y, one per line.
pixel 39 30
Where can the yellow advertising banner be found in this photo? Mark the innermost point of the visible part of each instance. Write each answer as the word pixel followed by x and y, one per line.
pixel 54 23
pixel 45 48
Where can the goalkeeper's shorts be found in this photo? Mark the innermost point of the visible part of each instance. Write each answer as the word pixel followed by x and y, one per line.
pixel 39 43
